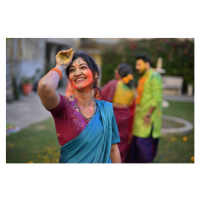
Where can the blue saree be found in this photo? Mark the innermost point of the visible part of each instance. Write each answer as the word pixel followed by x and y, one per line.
pixel 93 144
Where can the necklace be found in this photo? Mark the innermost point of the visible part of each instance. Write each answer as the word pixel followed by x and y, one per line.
pixel 79 110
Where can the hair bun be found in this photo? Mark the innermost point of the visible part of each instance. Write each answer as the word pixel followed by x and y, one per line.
pixel 130 76
pixel 126 80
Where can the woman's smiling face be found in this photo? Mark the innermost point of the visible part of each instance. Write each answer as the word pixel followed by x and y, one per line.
pixel 80 74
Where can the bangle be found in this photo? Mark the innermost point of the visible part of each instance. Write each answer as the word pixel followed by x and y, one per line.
pixel 58 71
pixel 148 115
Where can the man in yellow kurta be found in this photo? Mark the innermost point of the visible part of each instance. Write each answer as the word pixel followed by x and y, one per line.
pixel 148 113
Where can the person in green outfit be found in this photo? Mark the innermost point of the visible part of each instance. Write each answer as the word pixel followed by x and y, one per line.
pixel 148 113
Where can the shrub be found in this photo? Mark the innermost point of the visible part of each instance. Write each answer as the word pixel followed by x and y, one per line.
pixel 177 55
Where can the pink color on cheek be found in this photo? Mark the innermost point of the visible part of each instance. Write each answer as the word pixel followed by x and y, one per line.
pixel 89 80
pixel 71 81
pixel 89 76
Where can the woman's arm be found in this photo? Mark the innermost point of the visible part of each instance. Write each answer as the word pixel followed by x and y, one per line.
pixel 115 154
pixel 48 84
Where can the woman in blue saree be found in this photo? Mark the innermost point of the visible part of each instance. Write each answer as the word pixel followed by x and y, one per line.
pixel 86 127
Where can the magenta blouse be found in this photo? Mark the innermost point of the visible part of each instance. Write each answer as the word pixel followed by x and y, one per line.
pixel 69 123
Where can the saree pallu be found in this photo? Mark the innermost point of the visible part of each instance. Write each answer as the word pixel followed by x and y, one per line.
pixel 93 145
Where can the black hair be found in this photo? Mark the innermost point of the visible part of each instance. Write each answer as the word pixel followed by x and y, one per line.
pixel 93 67
pixel 124 70
pixel 144 57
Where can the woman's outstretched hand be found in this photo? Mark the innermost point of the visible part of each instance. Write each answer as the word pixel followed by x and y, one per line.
pixel 64 57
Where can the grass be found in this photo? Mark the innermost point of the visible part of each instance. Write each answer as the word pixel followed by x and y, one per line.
pixel 35 144
pixel 38 143
pixel 183 110
pixel 177 149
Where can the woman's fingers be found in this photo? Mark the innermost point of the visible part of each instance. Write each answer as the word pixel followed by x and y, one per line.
pixel 65 52
pixel 71 55
pixel 64 57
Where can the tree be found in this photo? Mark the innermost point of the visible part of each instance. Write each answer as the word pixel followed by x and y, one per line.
pixel 177 55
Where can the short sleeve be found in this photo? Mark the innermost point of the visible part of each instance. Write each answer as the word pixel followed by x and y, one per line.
pixel 59 109
pixel 115 132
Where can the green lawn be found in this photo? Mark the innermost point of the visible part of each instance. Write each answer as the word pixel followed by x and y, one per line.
pixel 177 149
pixel 38 143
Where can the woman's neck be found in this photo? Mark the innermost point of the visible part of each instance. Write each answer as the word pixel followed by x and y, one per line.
pixel 84 98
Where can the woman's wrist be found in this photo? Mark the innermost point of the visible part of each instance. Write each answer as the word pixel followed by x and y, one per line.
pixel 60 67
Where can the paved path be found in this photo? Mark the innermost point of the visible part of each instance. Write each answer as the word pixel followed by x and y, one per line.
pixel 182 98
pixel 27 111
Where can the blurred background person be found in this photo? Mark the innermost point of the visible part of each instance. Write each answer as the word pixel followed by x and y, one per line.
pixel 148 113
pixel 121 92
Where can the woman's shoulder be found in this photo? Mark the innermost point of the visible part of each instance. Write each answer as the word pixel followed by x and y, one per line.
pixel 104 103
pixel 69 98
pixel 106 108
pixel 114 81
pixel 60 108
pixel 66 100
pixel 111 82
